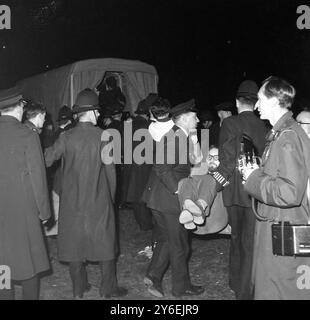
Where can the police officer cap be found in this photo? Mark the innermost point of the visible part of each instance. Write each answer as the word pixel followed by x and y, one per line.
pixel 247 88
pixel 185 107
pixel 86 100
pixel 10 97
pixel 225 106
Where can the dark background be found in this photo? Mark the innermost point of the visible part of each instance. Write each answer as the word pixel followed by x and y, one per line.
pixel 201 49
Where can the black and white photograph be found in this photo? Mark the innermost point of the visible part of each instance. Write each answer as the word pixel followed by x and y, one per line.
pixel 154 154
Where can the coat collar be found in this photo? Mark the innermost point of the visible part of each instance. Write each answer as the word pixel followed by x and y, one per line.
pixel 32 127
pixel 9 119
pixel 284 122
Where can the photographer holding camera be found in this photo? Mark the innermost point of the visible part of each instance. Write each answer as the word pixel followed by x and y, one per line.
pixel 280 188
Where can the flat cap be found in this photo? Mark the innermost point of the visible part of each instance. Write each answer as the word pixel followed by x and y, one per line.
pixel 225 106
pixel 10 97
pixel 189 106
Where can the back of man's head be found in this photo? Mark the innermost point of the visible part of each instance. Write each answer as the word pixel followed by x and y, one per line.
pixel 160 108
pixel 32 109
pixel 247 95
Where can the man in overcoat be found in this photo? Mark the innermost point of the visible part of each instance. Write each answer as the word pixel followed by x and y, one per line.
pixel 86 213
pixel 281 193
pixel 24 199
pixel 236 199
pixel 161 196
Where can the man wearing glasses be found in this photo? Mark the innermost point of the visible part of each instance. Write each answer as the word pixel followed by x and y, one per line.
pixel 303 119
pixel 197 193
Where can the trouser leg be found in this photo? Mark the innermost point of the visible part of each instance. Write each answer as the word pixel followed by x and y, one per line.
pixel 31 288
pixel 160 258
pixel 206 188
pixel 143 216
pixel 108 277
pixel 188 190
pixel 242 222
pixel 178 244
pixel 78 277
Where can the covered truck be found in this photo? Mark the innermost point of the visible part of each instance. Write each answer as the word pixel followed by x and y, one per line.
pixel 61 86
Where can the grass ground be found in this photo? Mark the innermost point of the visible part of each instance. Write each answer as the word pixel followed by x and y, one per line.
pixel 208 267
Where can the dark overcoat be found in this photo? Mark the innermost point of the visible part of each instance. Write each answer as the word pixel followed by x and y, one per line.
pixel 229 149
pixel 280 187
pixel 24 200
pixel 160 193
pixel 139 173
pixel 86 212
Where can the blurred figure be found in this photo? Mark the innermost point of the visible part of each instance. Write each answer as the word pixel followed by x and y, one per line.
pixel 225 110
pixel 115 114
pixel 206 119
pixel 139 174
pixel 207 122
pixel 48 133
pixel 110 94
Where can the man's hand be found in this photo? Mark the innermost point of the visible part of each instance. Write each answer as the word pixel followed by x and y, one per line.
pixel 248 170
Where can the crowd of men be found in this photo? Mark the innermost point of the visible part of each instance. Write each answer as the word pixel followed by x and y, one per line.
pixel 170 198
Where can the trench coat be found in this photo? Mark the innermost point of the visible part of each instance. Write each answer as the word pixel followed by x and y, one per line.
pixel 86 212
pixel 280 188
pixel 24 200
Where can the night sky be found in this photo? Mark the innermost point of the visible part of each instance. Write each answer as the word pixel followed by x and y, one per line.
pixel 201 49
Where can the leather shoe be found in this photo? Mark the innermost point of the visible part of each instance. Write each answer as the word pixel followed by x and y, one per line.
pixel 191 291
pixel 116 293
